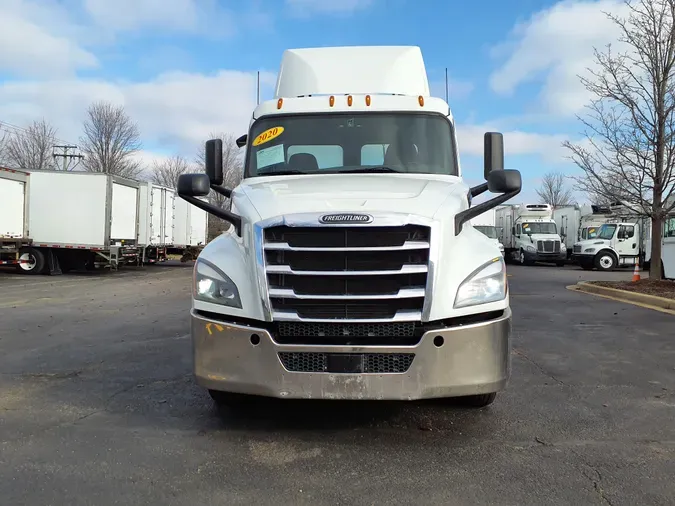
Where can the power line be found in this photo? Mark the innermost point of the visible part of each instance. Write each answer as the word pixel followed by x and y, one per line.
pixel 67 157
pixel 21 131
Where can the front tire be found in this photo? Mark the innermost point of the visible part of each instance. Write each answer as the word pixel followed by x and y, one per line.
pixel 478 401
pixel 31 261
pixel 605 261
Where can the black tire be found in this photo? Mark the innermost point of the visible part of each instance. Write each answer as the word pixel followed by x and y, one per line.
pixel 228 399
pixel 478 401
pixel 35 259
pixel 605 261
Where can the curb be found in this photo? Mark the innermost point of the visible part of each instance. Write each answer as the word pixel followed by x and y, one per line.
pixel 641 299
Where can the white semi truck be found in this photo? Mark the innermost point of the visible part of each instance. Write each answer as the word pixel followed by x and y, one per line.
pixel 351 270
pixel 579 222
pixel 530 235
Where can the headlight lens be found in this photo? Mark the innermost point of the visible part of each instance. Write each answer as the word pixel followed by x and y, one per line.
pixel 485 284
pixel 563 247
pixel 213 285
pixel 531 248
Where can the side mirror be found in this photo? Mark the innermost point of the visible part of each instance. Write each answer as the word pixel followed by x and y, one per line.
pixel 504 181
pixel 214 161
pixel 241 141
pixel 493 153
pixel 194 185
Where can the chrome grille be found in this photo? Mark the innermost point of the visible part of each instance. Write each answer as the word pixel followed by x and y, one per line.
pixel 577 249
pixel 548 246
pixel 346 273
pixel 369 363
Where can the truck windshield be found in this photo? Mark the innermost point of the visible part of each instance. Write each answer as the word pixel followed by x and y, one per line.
pixel 360 142
pixel 592 232
pixel 539 228
pixel 606 232
pixel 491 232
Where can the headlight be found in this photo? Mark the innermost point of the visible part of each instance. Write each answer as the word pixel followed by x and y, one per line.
pixel 531 248
pixel 589 250
pixel 485 284
pixel 563 247
pixel 213 285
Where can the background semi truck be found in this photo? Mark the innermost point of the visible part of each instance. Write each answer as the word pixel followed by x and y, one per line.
pixel 579 222
pixel 352 270
pixel 530 235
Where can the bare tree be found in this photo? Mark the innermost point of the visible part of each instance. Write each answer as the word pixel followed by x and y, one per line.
pixel 111 139
pixel 166 172
pixel 233 167
pixel 554 190
pixel 629 130
pixel 31 148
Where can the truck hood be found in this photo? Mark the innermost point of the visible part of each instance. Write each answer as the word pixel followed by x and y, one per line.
pixel 591 242
pixel 420 194
pixel 545 237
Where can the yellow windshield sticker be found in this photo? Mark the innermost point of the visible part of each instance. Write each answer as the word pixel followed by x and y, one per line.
pixel 591 230
pixel 268 135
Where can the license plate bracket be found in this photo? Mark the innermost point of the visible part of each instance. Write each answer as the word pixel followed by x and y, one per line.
pixel 345 363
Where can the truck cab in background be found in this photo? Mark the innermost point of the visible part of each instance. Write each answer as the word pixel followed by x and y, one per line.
pixel 530 235
pixel 351 270
pixel 616 244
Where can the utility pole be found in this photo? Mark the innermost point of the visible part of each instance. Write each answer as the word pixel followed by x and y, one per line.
pixel 66 155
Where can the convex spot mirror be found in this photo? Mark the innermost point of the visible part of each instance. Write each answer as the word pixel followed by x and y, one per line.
pixel 493 153
pixel 194 185
pixel 213 161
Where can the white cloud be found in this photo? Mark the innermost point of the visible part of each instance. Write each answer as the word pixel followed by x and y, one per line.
pixel 176 110
pixel 29 48
pixel 308 7
pixel 516 142
pixel 556 45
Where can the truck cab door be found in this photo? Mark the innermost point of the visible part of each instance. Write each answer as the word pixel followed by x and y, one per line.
pixel 627 240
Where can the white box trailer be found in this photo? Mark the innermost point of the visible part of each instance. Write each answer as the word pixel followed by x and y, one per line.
pixel 13 212
pixel 190 229
pixel 78 219
pixel 156 212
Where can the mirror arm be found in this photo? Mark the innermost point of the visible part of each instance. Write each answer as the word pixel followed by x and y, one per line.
pixel 472 212
pixel 215 211
pixel 477 190
pixel 225 192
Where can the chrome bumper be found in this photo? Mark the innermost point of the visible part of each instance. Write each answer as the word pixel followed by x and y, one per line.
pixel 474 359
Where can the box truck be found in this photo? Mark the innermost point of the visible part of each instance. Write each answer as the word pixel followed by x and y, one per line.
pixel 73 220
pixel 530 235
pixel 579 222
pixel 190 230
pixel 351 270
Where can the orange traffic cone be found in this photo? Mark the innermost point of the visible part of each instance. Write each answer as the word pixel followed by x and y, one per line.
pixel 636 273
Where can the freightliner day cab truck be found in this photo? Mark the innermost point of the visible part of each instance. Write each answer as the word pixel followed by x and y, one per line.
pixel 351 270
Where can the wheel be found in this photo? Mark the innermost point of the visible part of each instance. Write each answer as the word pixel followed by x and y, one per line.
pixel 605 261
pixel 31 261
pixel 479 401
pixel 228 399
pixel 522 259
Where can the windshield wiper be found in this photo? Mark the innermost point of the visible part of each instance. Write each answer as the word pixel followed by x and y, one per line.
pixel 366 170
pixel 282 172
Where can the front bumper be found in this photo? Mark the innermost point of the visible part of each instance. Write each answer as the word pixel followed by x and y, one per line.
pixel 474 359
pixel 545 257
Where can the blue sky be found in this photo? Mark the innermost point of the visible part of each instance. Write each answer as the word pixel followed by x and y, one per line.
pixel 185 68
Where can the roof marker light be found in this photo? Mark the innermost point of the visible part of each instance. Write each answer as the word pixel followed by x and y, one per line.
pixel 331 100
pixel 350 99
pixel 420 99
pixel 367 99
pixel 280 102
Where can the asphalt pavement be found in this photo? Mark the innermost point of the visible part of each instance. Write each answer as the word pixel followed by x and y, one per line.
pixel 98 406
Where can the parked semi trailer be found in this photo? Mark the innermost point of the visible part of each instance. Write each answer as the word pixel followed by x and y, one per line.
pixel 350 270
pixel 156 227
pixel 73 220
pixel 13 212
pixel 530 235
pixel 190 230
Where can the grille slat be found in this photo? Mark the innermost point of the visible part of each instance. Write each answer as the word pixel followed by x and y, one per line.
pixel 548 246
pixel 368 363
pixel 347 273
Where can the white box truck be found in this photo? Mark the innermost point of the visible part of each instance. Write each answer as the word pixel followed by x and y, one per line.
pixel 530 235
pixel 77 220
pixel 190 230
pixel 156 226
pixel 579 222
pixel 351 270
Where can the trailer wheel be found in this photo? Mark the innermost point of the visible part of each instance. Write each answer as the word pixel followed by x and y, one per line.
pixel 478 401
pixel 31 261
pixel 605 261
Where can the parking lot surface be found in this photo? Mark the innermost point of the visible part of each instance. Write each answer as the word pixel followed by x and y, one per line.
pixel 98 406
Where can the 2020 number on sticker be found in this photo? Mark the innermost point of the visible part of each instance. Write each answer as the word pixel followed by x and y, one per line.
pixel 268 135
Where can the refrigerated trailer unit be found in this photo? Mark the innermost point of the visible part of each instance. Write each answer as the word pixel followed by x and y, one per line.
pixel 190 230
pixel 13 212
pixel 78 219
pixel 156 208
